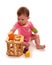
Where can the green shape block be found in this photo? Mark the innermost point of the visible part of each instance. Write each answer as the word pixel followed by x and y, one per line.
pixel 34 30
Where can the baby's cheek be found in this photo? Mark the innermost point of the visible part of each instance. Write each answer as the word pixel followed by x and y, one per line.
pixel 20 23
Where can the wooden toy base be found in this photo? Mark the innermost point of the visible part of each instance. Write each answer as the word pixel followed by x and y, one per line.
pixel 14 50
pixel 15 47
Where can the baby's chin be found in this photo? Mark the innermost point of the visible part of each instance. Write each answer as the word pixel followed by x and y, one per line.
pixel 20 24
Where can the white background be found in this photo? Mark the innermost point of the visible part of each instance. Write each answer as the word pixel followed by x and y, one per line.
pixel 41 17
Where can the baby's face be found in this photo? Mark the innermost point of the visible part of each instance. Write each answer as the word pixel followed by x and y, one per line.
pixel 22 19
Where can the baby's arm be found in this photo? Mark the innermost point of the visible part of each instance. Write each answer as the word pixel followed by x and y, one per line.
pixel 12 30
pixel 33 28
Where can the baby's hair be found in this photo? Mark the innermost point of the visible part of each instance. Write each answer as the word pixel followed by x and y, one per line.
pixel 23 11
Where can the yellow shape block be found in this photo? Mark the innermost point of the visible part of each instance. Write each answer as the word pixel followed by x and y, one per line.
pixel 27 54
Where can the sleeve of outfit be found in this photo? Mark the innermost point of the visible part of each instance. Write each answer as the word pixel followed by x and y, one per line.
pixel 33 28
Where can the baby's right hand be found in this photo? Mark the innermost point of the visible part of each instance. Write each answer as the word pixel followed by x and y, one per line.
pixel 10 33
pixel 11 36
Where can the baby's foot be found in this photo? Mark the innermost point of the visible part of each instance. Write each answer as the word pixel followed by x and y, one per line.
pixel 40 46
pixel 25 50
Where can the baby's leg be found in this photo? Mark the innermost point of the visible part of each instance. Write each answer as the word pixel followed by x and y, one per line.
pixel 26 47
pixel 36 38
pixel 26 44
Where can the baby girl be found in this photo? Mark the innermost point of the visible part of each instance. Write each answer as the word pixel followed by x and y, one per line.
pixel 26 28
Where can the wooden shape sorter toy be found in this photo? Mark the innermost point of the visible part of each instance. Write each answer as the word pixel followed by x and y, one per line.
pixel 15 45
